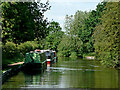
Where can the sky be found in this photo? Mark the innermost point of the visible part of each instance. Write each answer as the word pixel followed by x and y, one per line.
pixel 60 8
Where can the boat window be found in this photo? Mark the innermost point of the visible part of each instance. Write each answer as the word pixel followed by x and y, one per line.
pixel 48 57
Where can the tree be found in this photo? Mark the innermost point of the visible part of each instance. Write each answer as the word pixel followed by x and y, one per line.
pixel 86 32
pixel 70 42
pixel 54 27
pixel 77 29
pixel 54 37
pixel 106 35
pixel 41 25
pixel 16 22
pixel 78 22
pixel 68 23
pixel 23 21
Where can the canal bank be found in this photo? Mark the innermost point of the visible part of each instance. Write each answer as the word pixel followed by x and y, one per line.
pixel 67 73
pixel 14 69
pixel 36 60
pixel 10 72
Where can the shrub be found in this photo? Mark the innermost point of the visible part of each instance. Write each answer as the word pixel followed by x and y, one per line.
pixel 107 60
pixel 73 55
pixel 27 46
pixel 60 54
pixel 12 52
pixel 9 50
pixel 64 53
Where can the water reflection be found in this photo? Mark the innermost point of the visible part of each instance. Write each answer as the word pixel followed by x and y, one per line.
pixel 67 73
pixel 119 79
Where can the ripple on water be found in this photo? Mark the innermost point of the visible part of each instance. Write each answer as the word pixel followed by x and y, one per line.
pixel 60 69
pixel 94 65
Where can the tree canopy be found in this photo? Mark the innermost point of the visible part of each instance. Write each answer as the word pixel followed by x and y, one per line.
pixel 106 35
pixel 24 21
pixel 54 36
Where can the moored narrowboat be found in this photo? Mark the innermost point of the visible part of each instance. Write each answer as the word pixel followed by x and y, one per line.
pixel 50 55
pixel 54 56
pixel 35 60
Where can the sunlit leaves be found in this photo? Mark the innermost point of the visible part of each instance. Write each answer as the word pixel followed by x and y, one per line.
pixel 54 36
pixel 24 21
pixel 107 34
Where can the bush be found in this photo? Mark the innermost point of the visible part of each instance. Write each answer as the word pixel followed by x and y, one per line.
pixel 64 53
pixel 60 54
pixel 9 50
pixel 73 55
pixel 107 60
pixel 12 52
pixel 27 46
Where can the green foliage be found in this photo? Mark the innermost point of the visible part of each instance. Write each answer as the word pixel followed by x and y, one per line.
pixel 9 50
pixel 70 41
pixel 41 24
pixel 94 33
pixel 106 35
pixel 60 54
pixel 78 22
pixel 27 46
pixel 68 23
pixel 87 29
pixel 54 37
pixel 89 54
pixel 12 52
pixel 73 55
pixel 64 46
pixel 54 27
pixel 80 28
pixel 23 21
pixel 16 24
pixel 69 44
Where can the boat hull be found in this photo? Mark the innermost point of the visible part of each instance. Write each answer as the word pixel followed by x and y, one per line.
pixel 34 66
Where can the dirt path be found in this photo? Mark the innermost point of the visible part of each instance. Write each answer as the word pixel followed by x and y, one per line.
pixel 15 63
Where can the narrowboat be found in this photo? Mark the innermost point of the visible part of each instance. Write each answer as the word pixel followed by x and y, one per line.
pixel 50 55
pixel 35 60
pixel 54 56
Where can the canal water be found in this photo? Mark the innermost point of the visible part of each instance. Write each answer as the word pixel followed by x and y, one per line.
pixel 67 73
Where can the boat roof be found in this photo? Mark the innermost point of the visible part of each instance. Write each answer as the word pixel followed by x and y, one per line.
pixel 41 51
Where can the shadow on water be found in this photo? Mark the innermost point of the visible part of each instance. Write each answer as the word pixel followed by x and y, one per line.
pixel 32 72
pixel 68 73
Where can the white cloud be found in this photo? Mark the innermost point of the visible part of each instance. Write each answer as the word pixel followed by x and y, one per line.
pixel 60 17
pixel 62 7
pixel 61 1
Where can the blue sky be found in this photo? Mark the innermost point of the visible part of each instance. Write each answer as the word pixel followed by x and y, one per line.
pixel 60 8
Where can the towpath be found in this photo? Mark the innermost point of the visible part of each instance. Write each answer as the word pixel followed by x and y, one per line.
pixel 15 63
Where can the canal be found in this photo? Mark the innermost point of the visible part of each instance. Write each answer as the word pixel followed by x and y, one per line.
pixel 67 73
